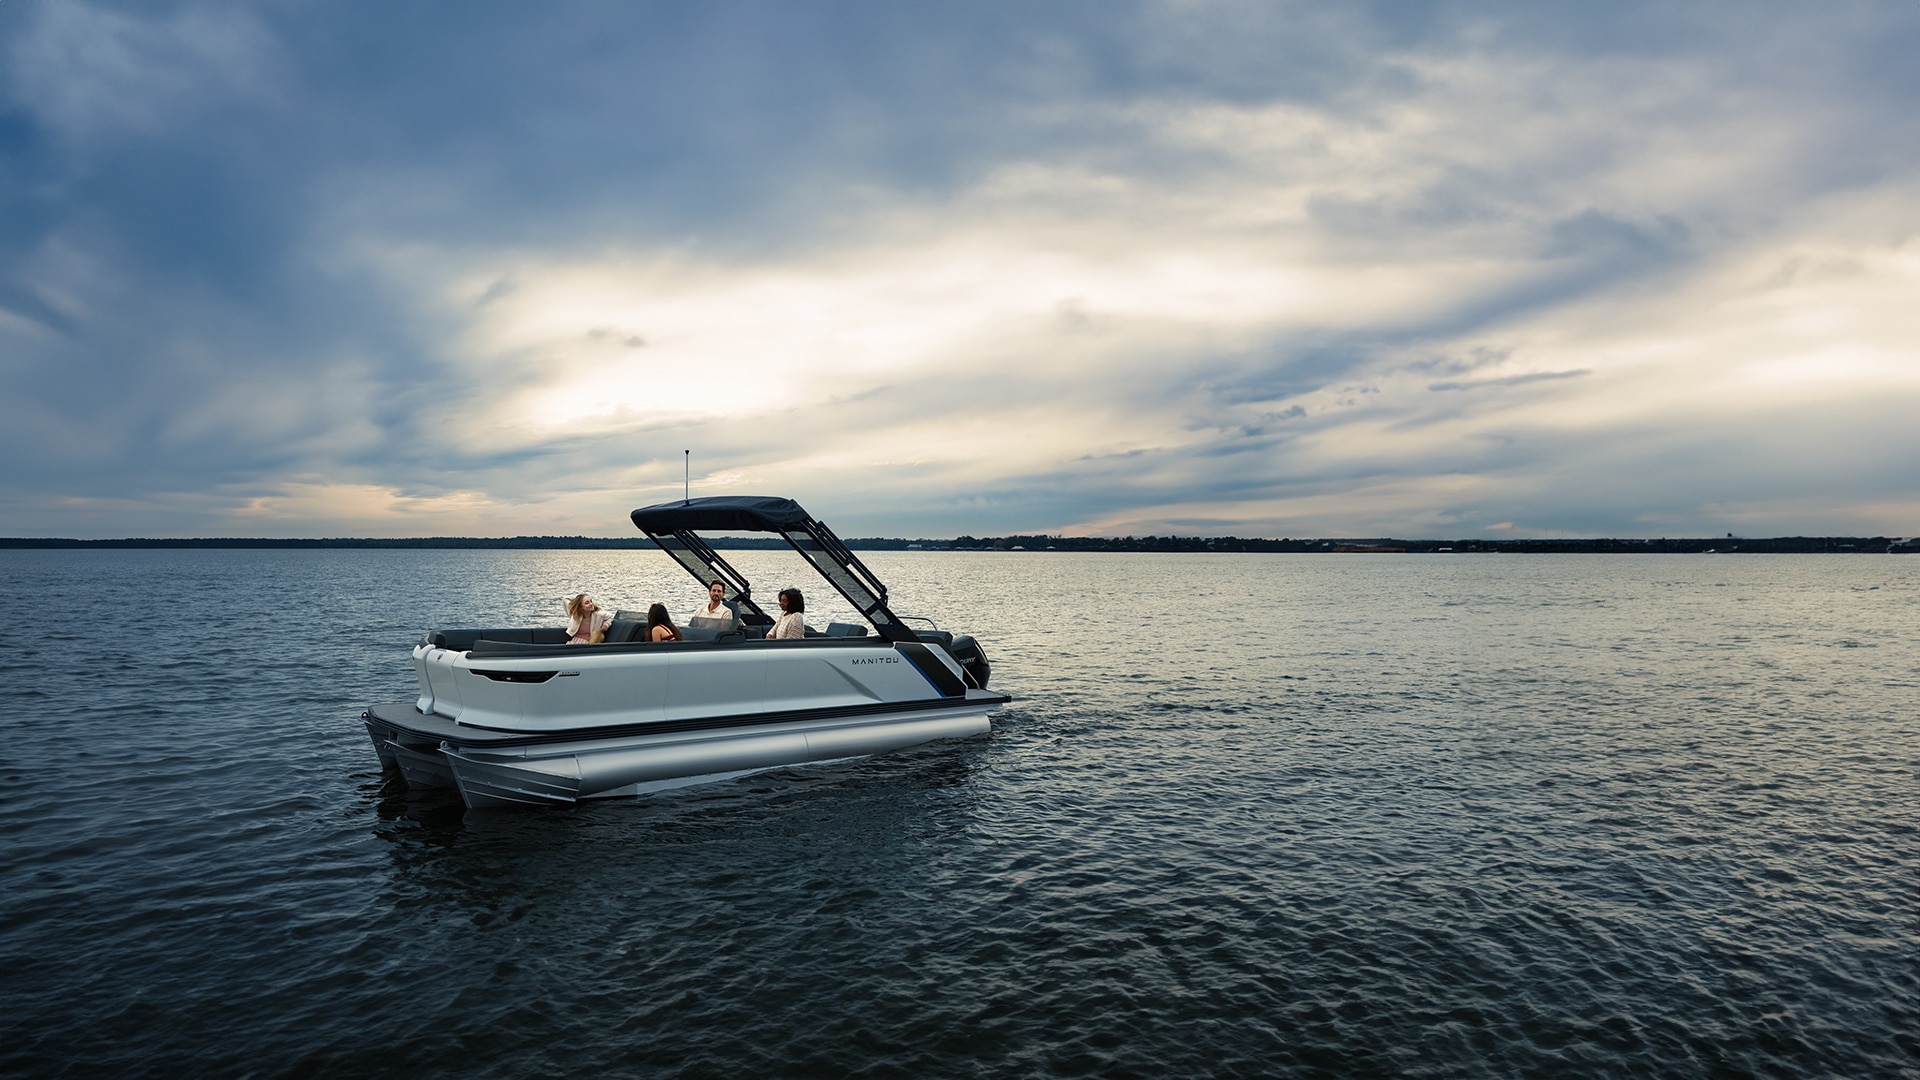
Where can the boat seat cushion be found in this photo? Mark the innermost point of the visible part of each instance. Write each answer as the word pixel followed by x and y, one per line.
pixel 488 645
pixel 626 630
pixel 841 629
pixel 464 639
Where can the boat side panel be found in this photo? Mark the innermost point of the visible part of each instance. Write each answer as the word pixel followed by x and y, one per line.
pixel 884 674
pixel 591 689
pixel 786 678
pixel 482 701
pixel 714 682
pixel 443 680
pixel 565 689
pixel 425 702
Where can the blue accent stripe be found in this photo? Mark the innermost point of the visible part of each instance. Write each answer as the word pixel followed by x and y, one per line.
pixel 935 672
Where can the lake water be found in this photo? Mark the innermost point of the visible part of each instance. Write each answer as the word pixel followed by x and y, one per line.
pixel 1250 815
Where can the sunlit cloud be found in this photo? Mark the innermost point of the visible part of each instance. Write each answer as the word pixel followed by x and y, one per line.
pixel 372 509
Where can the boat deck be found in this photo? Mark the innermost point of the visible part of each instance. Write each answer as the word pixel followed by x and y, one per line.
pixel 403 715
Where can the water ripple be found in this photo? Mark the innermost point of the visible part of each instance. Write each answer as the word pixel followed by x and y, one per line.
pixel 1434 816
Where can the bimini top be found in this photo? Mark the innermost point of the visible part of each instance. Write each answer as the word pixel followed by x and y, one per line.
pixel 676 527
pixel 748 513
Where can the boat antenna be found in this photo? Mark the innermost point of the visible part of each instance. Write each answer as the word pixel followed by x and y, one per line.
pixel 686 479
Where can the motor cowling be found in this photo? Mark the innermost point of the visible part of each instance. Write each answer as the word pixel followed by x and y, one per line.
pixel 972 659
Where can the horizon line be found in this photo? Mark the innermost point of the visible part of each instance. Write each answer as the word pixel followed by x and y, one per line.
pixel 964 540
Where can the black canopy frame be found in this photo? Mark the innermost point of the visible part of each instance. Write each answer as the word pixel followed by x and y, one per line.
pixel 674 526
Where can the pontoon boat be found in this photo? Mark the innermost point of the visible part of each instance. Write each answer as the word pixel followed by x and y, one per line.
pixel 518 717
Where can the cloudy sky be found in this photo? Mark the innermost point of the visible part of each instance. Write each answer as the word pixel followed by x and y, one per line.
pixel 1434 270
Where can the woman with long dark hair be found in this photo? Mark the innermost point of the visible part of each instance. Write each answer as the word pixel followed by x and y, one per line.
pixel 660 625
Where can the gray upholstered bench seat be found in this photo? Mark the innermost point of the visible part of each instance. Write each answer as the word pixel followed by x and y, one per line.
pixel 463 639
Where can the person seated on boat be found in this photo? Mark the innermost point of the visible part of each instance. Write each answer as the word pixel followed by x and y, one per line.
pixel 586 622
pixel 716 613
pixel 660 625
pixel 790 624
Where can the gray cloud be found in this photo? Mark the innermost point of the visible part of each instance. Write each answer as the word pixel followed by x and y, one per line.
pixel 1510 380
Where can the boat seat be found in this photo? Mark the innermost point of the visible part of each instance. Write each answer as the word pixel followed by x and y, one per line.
pixel 488 645
pixel 841 629
pixel 464 639
pixel 624 630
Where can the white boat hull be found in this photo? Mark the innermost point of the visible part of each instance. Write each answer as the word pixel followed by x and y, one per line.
pixel 550 726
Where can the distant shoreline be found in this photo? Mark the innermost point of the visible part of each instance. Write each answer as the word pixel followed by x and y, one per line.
pixel 1837 545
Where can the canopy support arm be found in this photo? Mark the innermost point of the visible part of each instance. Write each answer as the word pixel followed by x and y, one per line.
pixel 707 567
pixel 849 576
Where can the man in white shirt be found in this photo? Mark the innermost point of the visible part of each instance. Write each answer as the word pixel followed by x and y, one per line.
pixel 715 613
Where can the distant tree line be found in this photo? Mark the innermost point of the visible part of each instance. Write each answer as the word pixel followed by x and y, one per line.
pixel 1389 545
pixel 528 542
pixel 1043 542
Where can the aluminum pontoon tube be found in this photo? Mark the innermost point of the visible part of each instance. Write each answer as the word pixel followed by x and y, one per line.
pixel 562 774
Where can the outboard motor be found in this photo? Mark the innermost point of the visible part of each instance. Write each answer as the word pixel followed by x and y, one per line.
pixel 972 659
